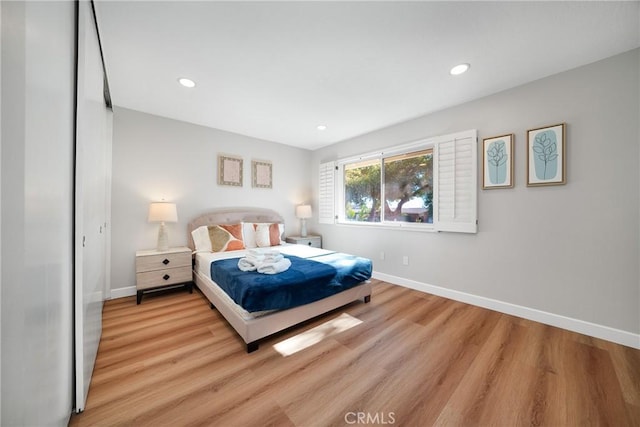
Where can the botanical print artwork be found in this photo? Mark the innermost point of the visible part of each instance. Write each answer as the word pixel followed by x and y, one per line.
pixel 497 162
pixel 545 149
pixel 546 158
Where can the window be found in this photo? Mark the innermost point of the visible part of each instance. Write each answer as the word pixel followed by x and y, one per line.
pixel 429 184
pixel 362 191
pixel 408 187
pixel 394 188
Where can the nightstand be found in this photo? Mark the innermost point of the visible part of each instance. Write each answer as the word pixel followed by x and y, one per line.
pixel 310 240
pixel 162 269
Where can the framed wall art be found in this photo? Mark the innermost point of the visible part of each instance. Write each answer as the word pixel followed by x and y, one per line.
pixel 497 162
pixel 229 170
pixel 546 156
pixel 261 174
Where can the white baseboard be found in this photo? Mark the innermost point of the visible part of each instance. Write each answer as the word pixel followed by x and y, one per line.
pixel 580 326
pixel 123 292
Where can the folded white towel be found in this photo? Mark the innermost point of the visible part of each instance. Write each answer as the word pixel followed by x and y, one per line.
pixel 246 264
pixel 257 252
pixel 274 268
pixel 272 259
pixel 257 258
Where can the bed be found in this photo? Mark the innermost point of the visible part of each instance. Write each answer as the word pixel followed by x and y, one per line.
pixel 256 325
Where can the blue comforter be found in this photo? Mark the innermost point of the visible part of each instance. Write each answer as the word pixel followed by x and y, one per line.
pixel 307 280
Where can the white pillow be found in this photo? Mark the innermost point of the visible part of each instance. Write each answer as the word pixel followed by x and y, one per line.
pixel 201 239
pixel 263 240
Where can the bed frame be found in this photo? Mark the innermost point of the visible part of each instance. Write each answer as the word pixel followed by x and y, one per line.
pixel 253 330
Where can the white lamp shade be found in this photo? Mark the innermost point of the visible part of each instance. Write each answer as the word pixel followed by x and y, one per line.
pixel 303 211
pixel 163 212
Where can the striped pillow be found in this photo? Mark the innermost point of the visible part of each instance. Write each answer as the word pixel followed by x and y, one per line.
pixel 249 233
pixel 267 234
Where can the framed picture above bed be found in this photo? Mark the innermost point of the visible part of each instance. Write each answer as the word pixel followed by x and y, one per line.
pixel 229 170
pixel 261 174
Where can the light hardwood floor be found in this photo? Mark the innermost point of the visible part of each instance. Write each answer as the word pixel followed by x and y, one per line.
pixel 415 360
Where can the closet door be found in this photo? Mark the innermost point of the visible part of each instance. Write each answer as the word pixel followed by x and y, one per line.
pixel 93 133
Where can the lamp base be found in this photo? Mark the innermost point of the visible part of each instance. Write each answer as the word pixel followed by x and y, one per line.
pixel 303 227
pixel 163 238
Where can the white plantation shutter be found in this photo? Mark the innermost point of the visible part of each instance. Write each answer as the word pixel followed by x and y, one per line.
pixel 455 183
pixel 326 187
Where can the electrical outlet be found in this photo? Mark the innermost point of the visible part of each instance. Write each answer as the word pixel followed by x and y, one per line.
pixel 405 260
pixel 382 255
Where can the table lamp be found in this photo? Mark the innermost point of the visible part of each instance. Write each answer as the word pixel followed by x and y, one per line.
pixel 303 212
pixel 163 212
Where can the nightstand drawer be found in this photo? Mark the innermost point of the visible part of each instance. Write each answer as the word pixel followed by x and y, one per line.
pixel 307 242
pixel 163 261
pixel 167 276
pixel 313 241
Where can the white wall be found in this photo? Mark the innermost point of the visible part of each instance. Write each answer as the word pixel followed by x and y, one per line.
pixel 38 40
pixel 570 250
pixel 155 158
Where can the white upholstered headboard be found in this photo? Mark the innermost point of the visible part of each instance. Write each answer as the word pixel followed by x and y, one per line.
pixel 232 216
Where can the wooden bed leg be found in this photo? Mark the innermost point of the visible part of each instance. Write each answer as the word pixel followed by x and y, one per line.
pixel 211 306
pixel 252 346
pixel 367 299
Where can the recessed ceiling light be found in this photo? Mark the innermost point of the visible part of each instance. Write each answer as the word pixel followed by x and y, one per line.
pixel 322 127
pixel 186 82
pixel 459 69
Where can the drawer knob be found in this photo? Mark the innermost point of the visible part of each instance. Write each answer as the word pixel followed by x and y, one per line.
pixel 309 243
pixel 166 261
pixel 166 277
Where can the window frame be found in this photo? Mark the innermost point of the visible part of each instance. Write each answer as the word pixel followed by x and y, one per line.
pixel 380 156
pixel 456 163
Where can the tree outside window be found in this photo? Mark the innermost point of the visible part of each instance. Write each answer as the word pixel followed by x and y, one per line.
pixel 362 191
pixel 408 188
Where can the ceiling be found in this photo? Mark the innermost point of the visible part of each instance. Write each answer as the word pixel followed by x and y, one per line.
pixel 277 70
